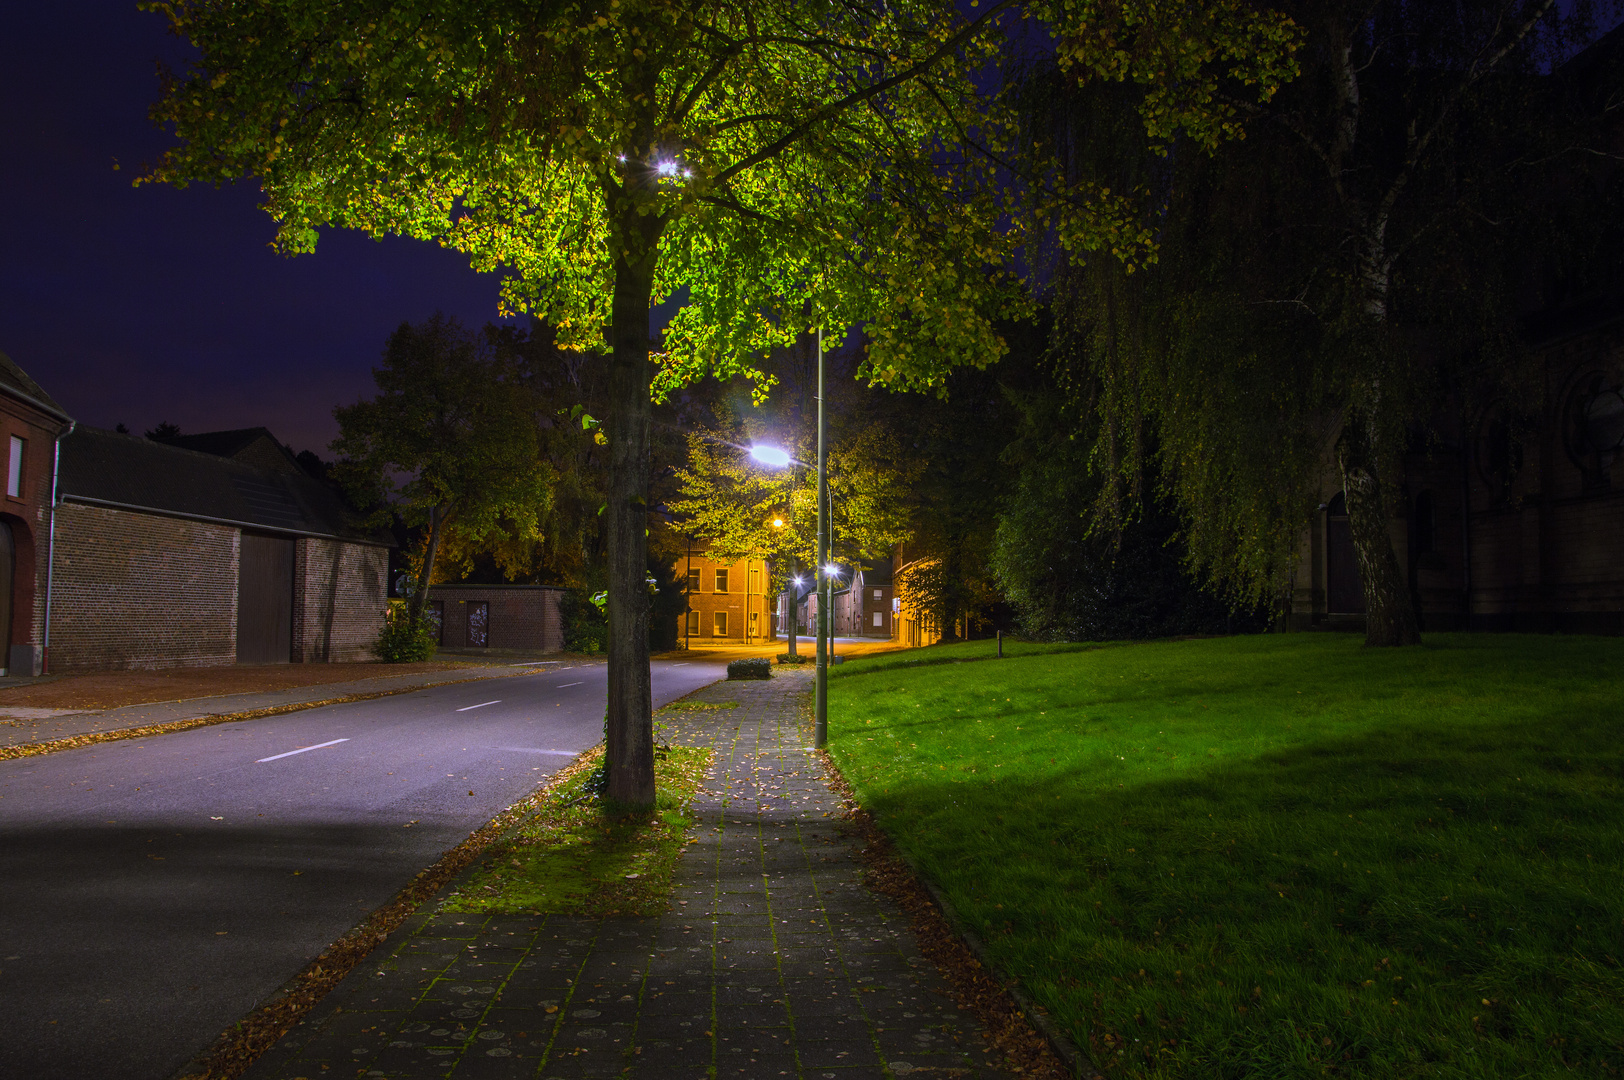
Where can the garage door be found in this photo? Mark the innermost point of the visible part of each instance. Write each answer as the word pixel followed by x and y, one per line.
pixel 265 600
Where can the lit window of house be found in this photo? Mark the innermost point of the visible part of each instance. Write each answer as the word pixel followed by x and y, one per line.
pixel 879 594
pixel 721 581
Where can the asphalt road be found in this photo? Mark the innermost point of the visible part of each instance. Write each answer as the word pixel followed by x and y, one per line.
pixel 153 891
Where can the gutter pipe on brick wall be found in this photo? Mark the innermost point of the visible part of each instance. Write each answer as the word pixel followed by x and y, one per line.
pixel 50 549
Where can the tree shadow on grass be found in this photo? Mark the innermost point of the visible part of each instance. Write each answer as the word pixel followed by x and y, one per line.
pixel 1438 900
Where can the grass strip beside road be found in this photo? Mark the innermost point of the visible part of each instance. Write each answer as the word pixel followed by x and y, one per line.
pixel 1274 855
pixel 573 855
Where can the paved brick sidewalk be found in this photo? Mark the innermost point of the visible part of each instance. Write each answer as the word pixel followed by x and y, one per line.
pixel 775 960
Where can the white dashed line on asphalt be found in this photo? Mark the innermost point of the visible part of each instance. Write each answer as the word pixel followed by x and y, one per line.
pixel 301 750
pixel 481 705
pixel 567 685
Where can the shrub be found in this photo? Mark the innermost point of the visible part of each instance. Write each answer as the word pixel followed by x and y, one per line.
pixel 405 642
pixel 586 628
pixel 755 667
pixel 799 658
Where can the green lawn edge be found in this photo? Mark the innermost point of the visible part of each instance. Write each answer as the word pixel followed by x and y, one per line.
pixel 1276 855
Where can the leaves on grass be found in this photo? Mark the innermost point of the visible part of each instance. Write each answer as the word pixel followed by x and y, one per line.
pixel 575 855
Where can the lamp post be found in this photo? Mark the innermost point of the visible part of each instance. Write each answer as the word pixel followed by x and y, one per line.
pixel 823 581
pixel 820 729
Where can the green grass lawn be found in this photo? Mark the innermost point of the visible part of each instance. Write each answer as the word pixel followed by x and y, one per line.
pixel 1274 856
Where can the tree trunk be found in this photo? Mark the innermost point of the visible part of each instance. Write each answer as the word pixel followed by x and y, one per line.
pixel 629 726
pixel 420 597
pixel 1389 616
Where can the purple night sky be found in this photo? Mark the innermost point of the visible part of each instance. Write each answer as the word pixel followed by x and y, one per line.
pixel 147 304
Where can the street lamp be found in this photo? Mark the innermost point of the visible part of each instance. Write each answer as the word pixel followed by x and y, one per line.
pixel 778 458
pixel 775 456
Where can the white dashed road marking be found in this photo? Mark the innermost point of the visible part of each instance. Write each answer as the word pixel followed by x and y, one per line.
pixel 301 750
pixel 567 685
pixel 481 705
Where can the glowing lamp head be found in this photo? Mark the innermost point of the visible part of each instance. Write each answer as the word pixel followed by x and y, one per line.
pixel 832 570
pixel 770 455
pixel 778 523
pixel 799 583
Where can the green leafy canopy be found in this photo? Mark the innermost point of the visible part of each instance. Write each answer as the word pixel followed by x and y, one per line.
pixel 813 163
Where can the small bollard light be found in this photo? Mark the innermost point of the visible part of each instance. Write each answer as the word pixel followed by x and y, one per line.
pixel 1000 644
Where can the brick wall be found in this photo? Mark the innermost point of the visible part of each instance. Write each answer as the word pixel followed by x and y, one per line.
pixel 520 616
pixel 142 591
pixel 1543 538
pixel 338 600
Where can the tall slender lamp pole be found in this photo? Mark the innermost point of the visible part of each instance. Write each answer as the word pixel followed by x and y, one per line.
pixel 820 734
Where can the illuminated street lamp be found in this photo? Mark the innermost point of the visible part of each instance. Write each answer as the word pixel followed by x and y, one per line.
pixel 779 458
pixel 775 456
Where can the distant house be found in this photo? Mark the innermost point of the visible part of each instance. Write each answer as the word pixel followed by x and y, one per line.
pixel 727 603
pixel 206 549
pixel 30 424
pixel 864 607
pixel 915 620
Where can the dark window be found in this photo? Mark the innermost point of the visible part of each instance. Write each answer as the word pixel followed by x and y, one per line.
pixel 1344 593
pixel 479 624
pixel 693 581
pixel 1423 525
pixel 721 581
pixel 14 474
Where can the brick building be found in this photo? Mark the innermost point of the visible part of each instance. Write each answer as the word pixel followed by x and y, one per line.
pixel 167 557
pixel 30 424
pixel 864 607
pixel 1514 520
pixel 727 603
pixel 516 617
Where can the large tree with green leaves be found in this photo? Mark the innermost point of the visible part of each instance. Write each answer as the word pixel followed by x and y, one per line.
pixel 780 163
pixel 1318 284
pixel 449 444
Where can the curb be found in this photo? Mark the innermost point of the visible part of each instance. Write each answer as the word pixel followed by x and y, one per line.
pixel 239 1046
pixel 1073 1058
pixel 170 727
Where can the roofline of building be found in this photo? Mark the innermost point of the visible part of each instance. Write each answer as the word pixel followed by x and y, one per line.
pixel 36 403
pixel 251 525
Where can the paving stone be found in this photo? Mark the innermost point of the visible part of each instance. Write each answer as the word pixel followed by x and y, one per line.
pixel 780 963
